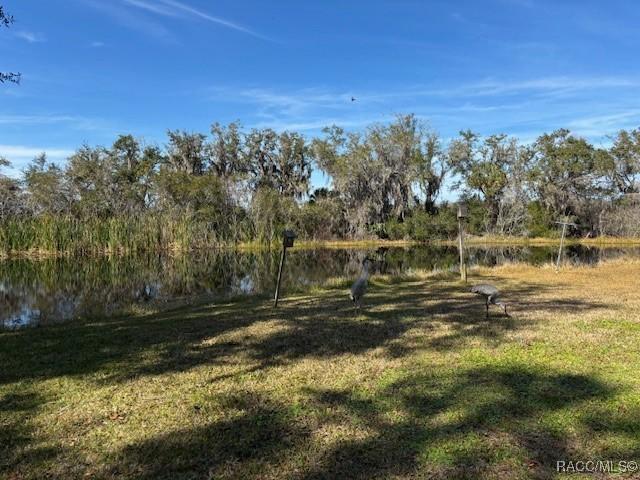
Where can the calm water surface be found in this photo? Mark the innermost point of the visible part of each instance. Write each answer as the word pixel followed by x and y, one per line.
pixel 46 291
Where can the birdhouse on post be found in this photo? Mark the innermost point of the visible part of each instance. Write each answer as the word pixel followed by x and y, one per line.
pixel 462 214
pixel 288 236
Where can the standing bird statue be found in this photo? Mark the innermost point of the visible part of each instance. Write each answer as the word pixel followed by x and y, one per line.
pixel 491 296
pixel 359 287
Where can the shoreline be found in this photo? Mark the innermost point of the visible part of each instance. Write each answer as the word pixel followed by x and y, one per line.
pixel 477 242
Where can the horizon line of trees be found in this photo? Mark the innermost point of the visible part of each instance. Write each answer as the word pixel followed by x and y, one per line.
pixel 235 186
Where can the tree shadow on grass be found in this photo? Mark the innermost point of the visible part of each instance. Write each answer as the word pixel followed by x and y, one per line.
pixel 482 423
pixel 322 326
pixel 485 422
pixel 116 344
pixel 16 433
pixel 254 433
pixel 329 327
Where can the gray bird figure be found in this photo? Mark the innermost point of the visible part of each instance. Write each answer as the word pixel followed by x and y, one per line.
pixel 491 296
pixel 359 287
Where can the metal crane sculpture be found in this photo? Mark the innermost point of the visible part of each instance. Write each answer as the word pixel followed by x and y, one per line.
pixel 491 296
pixel 359 287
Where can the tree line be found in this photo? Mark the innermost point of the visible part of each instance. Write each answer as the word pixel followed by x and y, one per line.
pixel 387 181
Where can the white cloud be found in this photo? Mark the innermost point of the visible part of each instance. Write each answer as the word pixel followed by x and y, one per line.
pixel 220 21
pixel 291 102
pixel 301 100
pixel 153 7
pixel 550 86
pixel 31 37
pixel 20 155
pixel 73 121
pixel 522 107
pixel 176 9
pixel 131 19
pixel 519 3
pixel 317 124
pixel 605 124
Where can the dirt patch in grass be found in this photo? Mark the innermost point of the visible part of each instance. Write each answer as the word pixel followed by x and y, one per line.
pixel 416 384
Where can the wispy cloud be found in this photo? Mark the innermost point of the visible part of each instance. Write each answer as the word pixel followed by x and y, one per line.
pixel 549 86
pixel 20 155
pixel 515 106
pixel 176 9
pixel 318 124
pixel 97 44
pixel 519 3
pixel 294 101
pixel 132 19
pixel 153 7
pixel 31 37
pixel 601 125
pixel 72 121
pixel 291 102
pixel 300 101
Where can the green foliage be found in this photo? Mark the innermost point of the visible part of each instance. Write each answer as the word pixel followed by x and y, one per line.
pixel 234 186
pixel 11 203
pixel 485 167
pixel 422 226
pixel 374 172
pixel 278 161
pixel 271 214
pixel 321 219
pixel 393 229
pixel 624 162
pixel 566 172
pixel 540 222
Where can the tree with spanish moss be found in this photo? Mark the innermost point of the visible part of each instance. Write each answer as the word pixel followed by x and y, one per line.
pixel 7 20
pixel 483 166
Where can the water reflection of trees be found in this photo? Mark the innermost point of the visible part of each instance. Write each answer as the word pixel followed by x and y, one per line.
pixel 56 289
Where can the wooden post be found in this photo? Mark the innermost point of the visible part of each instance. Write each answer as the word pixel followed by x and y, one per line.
pixel 284 254
pixel 287 241
pixel 564 232
pixel 462 213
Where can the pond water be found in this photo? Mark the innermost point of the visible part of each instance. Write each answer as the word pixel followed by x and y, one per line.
pixel 52 290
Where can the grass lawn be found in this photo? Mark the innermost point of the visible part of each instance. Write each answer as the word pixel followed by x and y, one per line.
pixel 417 384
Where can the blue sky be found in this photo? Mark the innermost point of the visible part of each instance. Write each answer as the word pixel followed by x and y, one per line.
pixel 93 69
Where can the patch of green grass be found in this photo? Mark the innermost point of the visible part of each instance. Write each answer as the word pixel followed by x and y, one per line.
pixel 416 384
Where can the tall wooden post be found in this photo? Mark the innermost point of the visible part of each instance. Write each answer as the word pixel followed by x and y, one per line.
pixel 560 249
pixel 462 213
pixel 282 257
pixel 287 242
pixel 564 231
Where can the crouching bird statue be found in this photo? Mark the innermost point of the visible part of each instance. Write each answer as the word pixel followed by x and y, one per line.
pixel 491 296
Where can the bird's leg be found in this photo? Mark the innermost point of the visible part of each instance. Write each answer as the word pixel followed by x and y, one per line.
pixel 487 305
pixel 505 310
